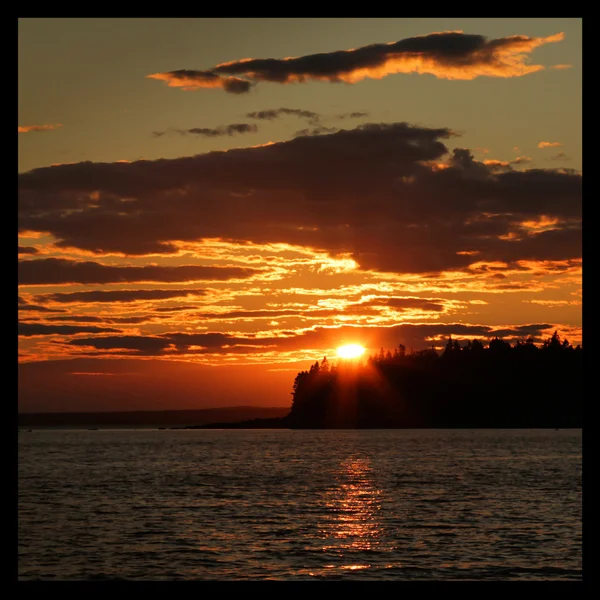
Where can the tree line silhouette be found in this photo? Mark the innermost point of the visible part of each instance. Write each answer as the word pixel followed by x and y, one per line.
pixel 463 386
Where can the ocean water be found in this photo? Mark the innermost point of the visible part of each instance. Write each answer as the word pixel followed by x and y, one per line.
pixel 300 505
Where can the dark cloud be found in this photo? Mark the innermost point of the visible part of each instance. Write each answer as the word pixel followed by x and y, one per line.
pixel 313 117
pixel 353 115
pixel 232 129
pixel 447 55
pixel 222 130
pixel 77 318
pixel 319 130
pixel 559 156
pixel 132 320
pixel 117 295
pixel 168 309
pixel 27 250
pixel 105 319
pixel 411 335
pixel 408 303
pixel 24 305
pixel 520 332
pixel 141 344
pixel 269 115
pixel 49 271
pixel 37 308
pixel 391 196
pixel 31 329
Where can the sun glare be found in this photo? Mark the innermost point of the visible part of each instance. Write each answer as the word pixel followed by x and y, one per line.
pixel 350 351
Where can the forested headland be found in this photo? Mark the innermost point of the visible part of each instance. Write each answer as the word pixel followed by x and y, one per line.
pixel 469 385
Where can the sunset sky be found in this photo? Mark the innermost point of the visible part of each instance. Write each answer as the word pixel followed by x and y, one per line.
pixel 208 206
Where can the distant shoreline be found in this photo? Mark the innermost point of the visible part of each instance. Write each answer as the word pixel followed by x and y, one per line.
pixel 149 418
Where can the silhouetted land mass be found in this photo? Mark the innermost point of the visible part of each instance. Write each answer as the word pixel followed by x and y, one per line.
pixel 180 418
pixel 468 386
pixel 266 423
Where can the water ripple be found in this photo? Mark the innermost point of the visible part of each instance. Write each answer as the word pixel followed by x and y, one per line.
pixel 300 505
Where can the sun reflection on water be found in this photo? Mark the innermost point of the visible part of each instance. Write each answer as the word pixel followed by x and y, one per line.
pixel 353 505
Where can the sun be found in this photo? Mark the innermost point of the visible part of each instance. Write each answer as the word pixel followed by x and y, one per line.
pixel 350 351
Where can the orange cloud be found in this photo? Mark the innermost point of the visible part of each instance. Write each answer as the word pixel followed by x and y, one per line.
pixel 191 80
pixel 553 303
pixel 446 55
pixel 543 223
pixel 496 163
pixel 505 164
pixel 30 128
pixel 549 144
pixel 521 160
